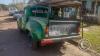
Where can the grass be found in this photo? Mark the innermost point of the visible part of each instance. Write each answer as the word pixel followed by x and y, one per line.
pixel 93 36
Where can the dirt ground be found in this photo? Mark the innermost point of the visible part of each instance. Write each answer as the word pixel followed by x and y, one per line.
pixel 14 43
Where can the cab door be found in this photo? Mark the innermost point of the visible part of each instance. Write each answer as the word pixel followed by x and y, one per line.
pixel 25 18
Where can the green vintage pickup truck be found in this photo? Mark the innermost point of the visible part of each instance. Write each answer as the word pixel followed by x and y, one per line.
pixel 47 24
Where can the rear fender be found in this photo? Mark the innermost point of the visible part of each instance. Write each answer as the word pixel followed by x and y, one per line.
pixel 36 30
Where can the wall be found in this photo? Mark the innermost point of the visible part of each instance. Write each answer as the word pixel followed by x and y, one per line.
pixel 89 4
pixel 99 15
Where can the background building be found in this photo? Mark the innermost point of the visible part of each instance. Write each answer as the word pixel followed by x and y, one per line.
pixel 91 7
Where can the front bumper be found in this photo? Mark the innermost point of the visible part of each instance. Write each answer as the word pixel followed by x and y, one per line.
pixel 59 39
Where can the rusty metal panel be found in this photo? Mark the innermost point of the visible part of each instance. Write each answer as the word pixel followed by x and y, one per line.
pixel 57 2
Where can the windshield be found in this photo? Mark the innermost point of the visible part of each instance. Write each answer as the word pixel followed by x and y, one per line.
pixel 67 12
pixel 40 11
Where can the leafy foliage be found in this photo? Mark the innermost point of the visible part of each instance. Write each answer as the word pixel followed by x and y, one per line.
pixel 3 7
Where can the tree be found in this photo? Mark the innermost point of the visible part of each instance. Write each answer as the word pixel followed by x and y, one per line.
pixel 3 7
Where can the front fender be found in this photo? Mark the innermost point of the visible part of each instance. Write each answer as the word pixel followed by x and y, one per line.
pixel 36 30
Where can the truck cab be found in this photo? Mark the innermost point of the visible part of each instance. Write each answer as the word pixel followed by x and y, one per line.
pixel 47 23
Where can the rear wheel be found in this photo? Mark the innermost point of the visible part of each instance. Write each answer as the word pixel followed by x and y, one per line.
pixel 34 44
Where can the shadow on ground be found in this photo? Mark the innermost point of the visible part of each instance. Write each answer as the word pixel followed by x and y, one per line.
pixel 7 20
pixel 10 20
pixel 14 43
pixel 4 16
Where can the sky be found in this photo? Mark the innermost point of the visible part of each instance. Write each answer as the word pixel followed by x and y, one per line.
pixel 10 1
pixel 5 2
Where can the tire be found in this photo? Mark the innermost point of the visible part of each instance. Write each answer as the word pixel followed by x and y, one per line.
pixel 20 28
pixel 15 18
pixel 84 44
pixel 34 44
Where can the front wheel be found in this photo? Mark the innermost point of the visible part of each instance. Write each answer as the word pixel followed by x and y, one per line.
pixel 19 27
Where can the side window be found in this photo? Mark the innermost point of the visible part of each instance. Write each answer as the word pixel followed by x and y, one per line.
pixel 27 11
